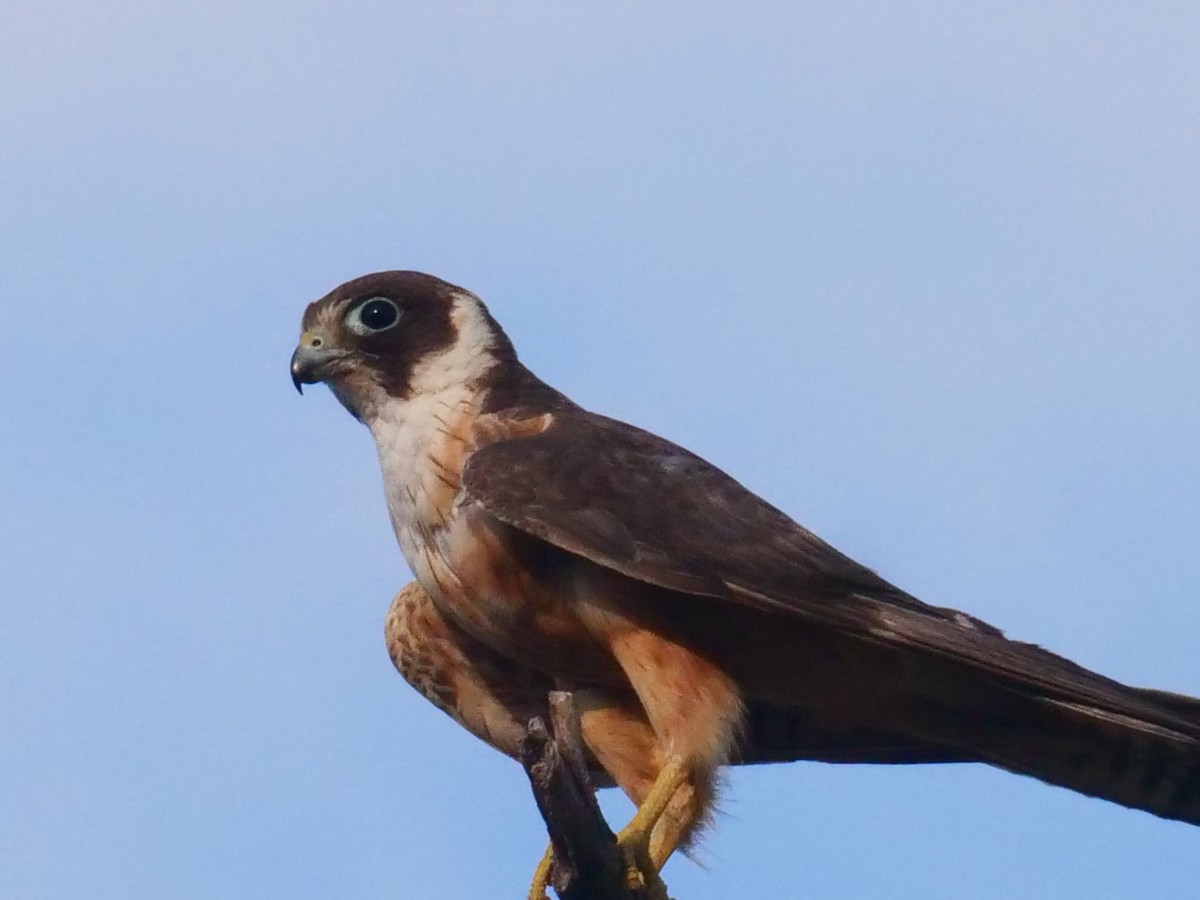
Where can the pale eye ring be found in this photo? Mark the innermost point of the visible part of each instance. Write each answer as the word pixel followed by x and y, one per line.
pixel 374 315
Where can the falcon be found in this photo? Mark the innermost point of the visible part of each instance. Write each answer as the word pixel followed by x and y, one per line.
pixel 588 555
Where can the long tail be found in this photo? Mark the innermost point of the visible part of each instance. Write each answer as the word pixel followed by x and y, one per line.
pixel 1146 758
pixel 1139 748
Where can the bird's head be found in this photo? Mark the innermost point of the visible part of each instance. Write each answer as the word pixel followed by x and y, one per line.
pixel 396 335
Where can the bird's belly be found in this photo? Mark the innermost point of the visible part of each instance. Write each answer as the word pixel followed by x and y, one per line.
pixel 504 593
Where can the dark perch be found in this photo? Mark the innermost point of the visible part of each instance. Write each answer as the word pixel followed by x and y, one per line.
pixel 587 865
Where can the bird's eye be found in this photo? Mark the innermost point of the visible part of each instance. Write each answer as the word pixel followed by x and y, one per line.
pixel 377 314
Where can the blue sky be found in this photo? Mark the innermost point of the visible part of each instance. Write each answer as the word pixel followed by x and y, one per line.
pixel 925 275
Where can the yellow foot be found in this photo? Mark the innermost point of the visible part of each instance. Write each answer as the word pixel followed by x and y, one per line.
pixel 640 872
pixel 541 876
pixel 641 868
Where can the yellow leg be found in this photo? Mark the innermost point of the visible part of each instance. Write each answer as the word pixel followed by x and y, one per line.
pixel 541 875
pixel 669 831
pixel 670 778
pixel 642 866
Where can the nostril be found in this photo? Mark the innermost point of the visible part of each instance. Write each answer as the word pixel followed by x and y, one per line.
pixel 314 342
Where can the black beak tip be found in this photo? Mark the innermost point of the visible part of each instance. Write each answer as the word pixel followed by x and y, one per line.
pixel 297 370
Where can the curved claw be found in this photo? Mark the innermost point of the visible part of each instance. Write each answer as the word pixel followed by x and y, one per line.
pixel 636 840
pixel 641 875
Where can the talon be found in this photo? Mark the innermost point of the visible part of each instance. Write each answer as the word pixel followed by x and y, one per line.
pixel 635 840
pixel 640 872
pixel 636 865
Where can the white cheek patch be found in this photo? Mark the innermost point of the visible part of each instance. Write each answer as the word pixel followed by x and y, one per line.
pixel 467 359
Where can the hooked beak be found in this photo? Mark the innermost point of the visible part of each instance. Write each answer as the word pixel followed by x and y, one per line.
pixel 310 360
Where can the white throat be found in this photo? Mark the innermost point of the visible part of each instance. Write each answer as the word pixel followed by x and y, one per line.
pixel 411 433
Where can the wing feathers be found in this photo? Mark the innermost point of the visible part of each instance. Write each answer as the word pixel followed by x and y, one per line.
pixel 641 506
